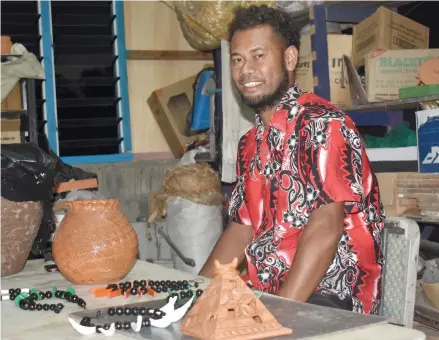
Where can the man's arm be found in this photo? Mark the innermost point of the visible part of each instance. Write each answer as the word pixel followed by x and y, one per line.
pixel 231 244
pixel 315 252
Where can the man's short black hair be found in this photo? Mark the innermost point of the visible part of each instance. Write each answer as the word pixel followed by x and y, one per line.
pixel 254 16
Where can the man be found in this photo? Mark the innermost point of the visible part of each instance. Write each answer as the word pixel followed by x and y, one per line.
pixel 306 206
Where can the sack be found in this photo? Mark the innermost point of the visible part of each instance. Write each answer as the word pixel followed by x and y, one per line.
pixel 205 23
pixel 194 229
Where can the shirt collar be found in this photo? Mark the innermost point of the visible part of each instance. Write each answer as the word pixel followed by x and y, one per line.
pixel 280 115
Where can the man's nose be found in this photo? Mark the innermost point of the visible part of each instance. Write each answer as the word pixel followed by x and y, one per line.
pixel 247 68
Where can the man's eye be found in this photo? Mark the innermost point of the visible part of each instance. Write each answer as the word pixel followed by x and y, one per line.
pixel 259 56
pixel 236 60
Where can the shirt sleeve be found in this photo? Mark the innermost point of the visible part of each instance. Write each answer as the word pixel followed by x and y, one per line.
pixel 331 158
pixel 238 211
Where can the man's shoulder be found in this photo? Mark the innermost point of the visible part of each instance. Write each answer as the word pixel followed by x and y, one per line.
pixel 318 107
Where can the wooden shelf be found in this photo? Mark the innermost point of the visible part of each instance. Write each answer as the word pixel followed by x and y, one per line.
pixel 167 55
pixel 394 105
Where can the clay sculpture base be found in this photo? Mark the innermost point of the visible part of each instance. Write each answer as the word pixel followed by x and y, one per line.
pixel 228 309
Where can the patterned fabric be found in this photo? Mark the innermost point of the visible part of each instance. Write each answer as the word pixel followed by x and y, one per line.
pixel 310 155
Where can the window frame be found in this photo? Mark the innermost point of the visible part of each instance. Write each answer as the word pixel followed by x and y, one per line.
pixel 49 88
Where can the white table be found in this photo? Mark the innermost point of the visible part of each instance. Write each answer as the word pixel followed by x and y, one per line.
pixel 19 324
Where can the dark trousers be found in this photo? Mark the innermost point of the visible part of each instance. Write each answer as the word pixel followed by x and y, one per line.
pixel 330 301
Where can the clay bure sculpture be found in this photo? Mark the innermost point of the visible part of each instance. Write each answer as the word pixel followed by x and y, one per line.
pixel 228 309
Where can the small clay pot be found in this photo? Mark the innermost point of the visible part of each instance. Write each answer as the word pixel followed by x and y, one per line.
pixel 6 46
pixel 95 243
pixel 20 222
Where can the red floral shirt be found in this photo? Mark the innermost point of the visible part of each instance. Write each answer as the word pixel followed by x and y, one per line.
pixel 310 155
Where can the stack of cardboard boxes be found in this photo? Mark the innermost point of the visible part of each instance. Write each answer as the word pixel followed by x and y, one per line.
pixel 390 46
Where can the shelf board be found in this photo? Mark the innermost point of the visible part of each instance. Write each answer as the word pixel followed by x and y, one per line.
pixel 13 113
pixel 393 105
pixel 167 55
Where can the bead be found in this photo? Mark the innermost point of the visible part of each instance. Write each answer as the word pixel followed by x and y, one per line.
pixel 81 303
pixel 127 311
pixel 68 296
pixel 162 282
pixel 151 283
pixel 199 292
pixel 135 311
pixel 32 306
pixel 150 311
pixel 185 282
pixel 42 296
pixel 142 283
pixel 106 326
pixel 168 282
pixel 33 296
pixel 39 307
pixel 146 323
pixel 12 297
pixel 183 294
pixel 24 305
pixel 58 294
pixel 158 289
pixel 142 311
pixel 46 307
pixel 127 284
pixel 57 310
pixel 74 298
pixel 196 284
pixel 133 291
pixel 48 294
pixel 126 325
pixel 189 294
pixel 12 291
pixel 136 284
pixel 143 290
pixel 52 307
pixel 111 311
pixel 98 328
pixel 121 285
pixel 60 306
pixel 119 311
pixel 118 325
pixel 85 321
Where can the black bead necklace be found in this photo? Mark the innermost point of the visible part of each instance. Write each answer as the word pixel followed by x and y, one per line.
pixel 158 286
pixel 28 301
pixel 146 313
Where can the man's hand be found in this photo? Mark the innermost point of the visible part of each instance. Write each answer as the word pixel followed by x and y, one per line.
pixel 315 252
pixel 231 244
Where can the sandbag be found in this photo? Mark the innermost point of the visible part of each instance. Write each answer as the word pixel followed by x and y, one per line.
pixel 194 229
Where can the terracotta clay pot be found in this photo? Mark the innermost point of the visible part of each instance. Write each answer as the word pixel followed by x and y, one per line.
pixel 6 45
pixel 20 222
pixel 95 243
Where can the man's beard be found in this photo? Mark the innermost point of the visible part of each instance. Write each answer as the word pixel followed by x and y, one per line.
pixel 267 101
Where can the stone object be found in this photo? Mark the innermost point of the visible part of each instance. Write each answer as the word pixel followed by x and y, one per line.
pixel 228 309
pixel 95 243
pixel 20 222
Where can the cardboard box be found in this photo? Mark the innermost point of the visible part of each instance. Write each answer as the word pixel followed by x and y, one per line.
pixel 388 30
pixel 388 71
pixel 10 131
pixel 170 106
pixel 427 130
pixel 13 100
pixel 338 45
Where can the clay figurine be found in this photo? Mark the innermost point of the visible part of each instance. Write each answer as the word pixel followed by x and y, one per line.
pixel 228 309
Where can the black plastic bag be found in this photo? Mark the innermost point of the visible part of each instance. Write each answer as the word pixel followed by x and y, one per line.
pixel 30 174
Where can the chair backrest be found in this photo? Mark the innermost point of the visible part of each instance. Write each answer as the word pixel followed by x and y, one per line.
pixel 401 238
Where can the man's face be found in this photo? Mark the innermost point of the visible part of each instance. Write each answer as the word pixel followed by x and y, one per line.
pixel 258 66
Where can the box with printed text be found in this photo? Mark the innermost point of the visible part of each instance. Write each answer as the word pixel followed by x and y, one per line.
pixel 427 127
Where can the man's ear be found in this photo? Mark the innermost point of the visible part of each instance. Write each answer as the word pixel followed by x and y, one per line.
pixel 291 55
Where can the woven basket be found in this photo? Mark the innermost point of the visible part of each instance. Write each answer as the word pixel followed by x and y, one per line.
pixel 20 222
